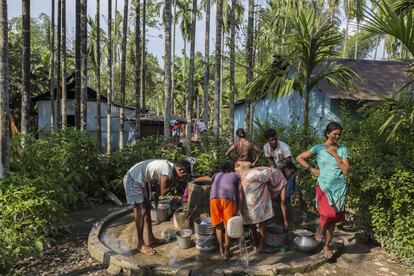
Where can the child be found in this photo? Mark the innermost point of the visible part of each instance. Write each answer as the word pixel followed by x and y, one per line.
pixel 224 199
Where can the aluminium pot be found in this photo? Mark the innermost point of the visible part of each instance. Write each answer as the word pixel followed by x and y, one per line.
pixel 161 214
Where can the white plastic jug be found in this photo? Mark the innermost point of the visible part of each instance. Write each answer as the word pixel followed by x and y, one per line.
pixel 235 227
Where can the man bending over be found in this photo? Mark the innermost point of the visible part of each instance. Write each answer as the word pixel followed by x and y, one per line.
pixel 138 181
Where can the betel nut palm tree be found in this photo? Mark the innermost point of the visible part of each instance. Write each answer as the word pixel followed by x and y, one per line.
pixel 312 43
pixel 396 21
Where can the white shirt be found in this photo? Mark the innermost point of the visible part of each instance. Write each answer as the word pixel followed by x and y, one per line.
pixel 150 171
pixel 282 151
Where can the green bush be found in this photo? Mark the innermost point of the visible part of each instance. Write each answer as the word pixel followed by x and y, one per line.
pixel 381 182
pixel 67 161
pixel 118 163
pixel 392 214
pixel 28 217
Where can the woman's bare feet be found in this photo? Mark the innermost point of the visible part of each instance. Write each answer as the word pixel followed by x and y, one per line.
pixel 319 234
pixel 147 250
pixel 226 253
pixel 327 253
pixel 221 252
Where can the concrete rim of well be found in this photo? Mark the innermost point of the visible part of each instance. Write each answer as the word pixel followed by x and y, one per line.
pixel 117 262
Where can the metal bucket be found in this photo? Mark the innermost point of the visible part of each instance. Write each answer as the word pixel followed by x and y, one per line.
pixel 205 236
pixel 184 238
pixel 161 214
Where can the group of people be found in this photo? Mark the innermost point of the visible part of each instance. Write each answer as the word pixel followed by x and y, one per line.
pixel 249 191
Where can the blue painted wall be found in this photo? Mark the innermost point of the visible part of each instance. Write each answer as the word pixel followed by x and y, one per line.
pixel 44 115
pixel 289 109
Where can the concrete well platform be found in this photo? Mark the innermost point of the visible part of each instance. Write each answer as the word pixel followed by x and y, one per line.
pixel 113 240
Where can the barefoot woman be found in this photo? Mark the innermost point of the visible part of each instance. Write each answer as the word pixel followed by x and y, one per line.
pixel 332 160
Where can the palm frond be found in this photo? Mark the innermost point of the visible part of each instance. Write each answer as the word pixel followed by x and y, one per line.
pixel 390 23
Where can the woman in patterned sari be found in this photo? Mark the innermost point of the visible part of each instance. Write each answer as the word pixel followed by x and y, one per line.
pixel 260 185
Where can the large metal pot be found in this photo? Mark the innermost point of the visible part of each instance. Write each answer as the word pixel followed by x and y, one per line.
pixel 276 235
pixel 305 244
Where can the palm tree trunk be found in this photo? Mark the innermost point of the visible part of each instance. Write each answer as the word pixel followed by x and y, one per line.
pixel 4 92
pixel 143 53
pixel 191 89
pixel 167 67
pixel 63 100
pixel 250 62
pixel 110 81
pixel 123 69
pixel 26 68
pixel 306 94
pixel 221 76
pixel 137 71
pixel 173 56
pixel 356 42
pixel 115 54
pixel 217 75
pixel 59 67
pixel 232 65
pixel 346 39
pixel 78 65
pixel 206 62
pixel 376 47
pixel 84 70
pixel 98 74
pixel 52 69
pixel 185 59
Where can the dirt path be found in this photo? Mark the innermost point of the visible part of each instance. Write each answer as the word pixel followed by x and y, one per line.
pixel 69 254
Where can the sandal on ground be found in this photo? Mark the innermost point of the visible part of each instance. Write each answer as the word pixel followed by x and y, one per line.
pixel 156 222
pixel 148 251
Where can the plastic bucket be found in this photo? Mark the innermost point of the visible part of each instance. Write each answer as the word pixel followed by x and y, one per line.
pixel 184 238
pixel 205 237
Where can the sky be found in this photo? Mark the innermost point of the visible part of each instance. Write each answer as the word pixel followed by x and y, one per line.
pixel 155 43
pixel 154 36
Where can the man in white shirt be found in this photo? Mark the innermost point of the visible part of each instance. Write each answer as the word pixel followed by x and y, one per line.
pixel 138 182
pixel 278 154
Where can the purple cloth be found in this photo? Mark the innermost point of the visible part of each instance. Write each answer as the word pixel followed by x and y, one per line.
pixel 225 185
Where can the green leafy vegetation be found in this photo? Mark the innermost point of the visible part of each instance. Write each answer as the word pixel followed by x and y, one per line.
pixel 381 180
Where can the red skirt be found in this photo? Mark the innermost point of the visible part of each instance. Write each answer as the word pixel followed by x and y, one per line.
pixel 327 213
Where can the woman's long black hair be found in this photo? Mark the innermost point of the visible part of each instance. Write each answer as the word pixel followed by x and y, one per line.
pixel 331 127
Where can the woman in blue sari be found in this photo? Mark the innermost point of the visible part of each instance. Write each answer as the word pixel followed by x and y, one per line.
pixel 333 166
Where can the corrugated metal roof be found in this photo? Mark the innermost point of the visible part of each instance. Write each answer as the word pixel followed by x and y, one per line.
pixel 377 80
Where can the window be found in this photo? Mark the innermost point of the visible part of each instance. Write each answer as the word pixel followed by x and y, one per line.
pixel 70 120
